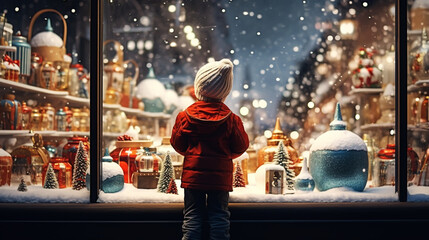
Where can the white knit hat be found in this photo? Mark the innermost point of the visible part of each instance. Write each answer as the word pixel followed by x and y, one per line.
pixel 213 81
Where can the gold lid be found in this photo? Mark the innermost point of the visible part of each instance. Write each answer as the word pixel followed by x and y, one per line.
pixel 165 141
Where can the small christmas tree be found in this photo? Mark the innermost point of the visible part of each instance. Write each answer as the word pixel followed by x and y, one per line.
pixel 238 176
pixel 282 158
pixel 22 186
pixel 172 188
pixel 166 174
pixel 80 167
pixel 50 178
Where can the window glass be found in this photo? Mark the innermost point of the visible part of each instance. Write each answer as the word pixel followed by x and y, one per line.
pixel 417 153
pixel 294 61
pixel 44 112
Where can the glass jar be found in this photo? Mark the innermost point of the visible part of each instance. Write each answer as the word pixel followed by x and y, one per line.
pixel 61 120
pixel 69 118
pixel 36 120
pixel 49 114
pixel 125 155
pixel 84 120
pixel 62 170
pixel 26 116
pixel 70 149
pixel 76 115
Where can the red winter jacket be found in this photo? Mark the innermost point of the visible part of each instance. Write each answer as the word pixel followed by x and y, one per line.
pixel 209 135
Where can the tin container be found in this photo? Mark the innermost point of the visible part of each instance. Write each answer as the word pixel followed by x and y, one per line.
pixel 60 120
pixel 10 113
pixel 23 54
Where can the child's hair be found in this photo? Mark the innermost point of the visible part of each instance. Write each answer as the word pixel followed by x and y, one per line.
pixel 213 81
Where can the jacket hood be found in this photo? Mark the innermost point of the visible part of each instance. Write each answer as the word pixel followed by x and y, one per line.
pixel 207 113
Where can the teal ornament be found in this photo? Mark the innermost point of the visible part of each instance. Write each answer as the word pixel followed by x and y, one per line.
pixel 304 181
pixel 339 158
pixel 153 105
pixel 112 175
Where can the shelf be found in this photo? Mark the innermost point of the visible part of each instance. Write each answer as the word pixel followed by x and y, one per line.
pixel 26 133
pixel 365 91
pixel 7 49
pixel 378 126
pixel 135 111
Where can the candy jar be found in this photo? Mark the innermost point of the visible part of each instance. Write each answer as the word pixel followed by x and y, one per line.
pixel 23 55
pixel 36 120
pixel 26 116
pixel 60 120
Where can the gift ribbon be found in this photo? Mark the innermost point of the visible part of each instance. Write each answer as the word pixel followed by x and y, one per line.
pixel 10 61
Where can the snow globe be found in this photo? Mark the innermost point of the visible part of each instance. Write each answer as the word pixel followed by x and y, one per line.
pixel 112 176
pixel 339 158
pixel 304 181
pixel 151 92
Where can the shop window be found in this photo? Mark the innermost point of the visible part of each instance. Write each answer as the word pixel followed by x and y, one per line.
pixel 314 84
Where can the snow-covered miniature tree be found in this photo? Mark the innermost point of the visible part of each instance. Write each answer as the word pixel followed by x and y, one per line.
pixel 239 180
pixel 80 167
pixel 166 174
pixel 22 186
pixel 172 188
pixel 51 181
pixel 282 158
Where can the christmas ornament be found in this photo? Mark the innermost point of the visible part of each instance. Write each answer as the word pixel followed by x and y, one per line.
pixel 81 165
pixel 339 158
pixel 22 187
pixel 112 177
pixel 282 158
pixel 172 188
pixel 50 179
pixel 166 174
pixel 239 180
pixel 151 92
pixel 367 75
pixel 304 181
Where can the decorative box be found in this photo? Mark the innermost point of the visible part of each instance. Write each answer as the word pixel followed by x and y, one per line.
pixel 125 155
pixel 145 180
pixel 5 167
pixel 63 171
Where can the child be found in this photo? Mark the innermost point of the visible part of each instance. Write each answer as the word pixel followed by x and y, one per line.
pixel 209 135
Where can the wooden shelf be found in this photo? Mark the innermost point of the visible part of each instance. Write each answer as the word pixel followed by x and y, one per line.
pixel 26 133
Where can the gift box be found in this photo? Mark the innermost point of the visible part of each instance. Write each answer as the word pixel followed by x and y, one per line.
pixel 145 180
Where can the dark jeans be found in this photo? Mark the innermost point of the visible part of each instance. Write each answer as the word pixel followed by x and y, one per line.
pixel 198 205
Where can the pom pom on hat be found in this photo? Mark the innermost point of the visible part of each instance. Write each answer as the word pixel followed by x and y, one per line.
pixel 213 81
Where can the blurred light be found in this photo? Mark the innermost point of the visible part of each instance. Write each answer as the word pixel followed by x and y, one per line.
pixel 145 21
pixel 171 30
pixel 235 94
pixel 392 132
pixel 277 79
pixel 173 44
pixel 348 29
pixel 258 33
pixel 171 8
pixel 268 134
pixel 310 104
pixel 322 69
pixel 295 49
pixel 148 45
pixel 365 4
pixel 231 51
pixel 236 62
pixel 244 111
pixel 140 44
pixel 245 13
pixel 195 42
pixel 255 103
pixel 319 58
pixel 190 36
pixel 210 59
pixel 294 135
pixel 352 11
pixel 262 103
pixel 73 10
pixel 245 86
pixel 187 29
pixel 131 45
pixel 17 9
pixel 357 116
